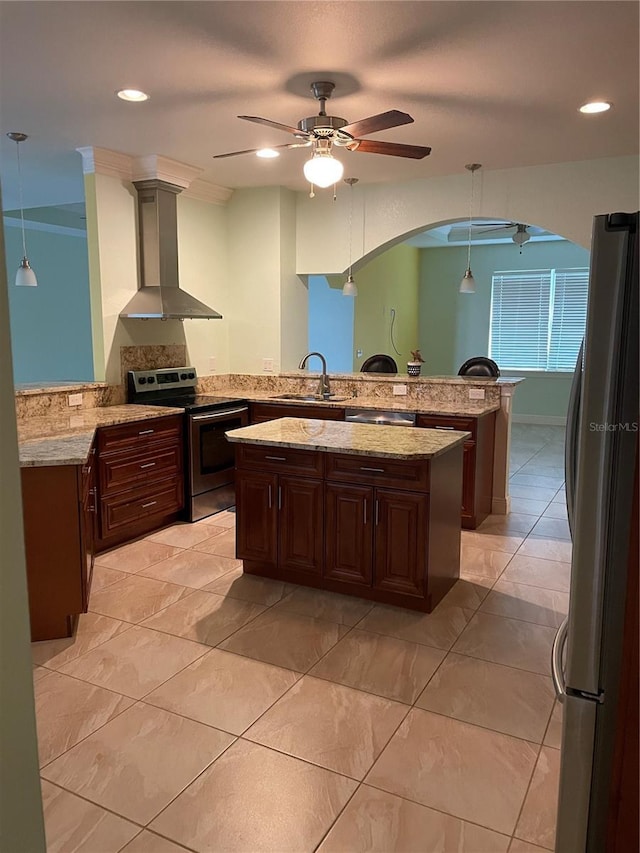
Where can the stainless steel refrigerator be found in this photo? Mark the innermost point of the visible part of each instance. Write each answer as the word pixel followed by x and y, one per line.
pixel 600 459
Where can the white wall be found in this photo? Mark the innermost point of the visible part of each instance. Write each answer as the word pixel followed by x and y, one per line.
pixel 561 197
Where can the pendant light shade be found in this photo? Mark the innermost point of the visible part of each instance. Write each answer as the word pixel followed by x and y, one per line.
pixel 468 283
pixel 323 169
pixel 349 287
pixel 25 276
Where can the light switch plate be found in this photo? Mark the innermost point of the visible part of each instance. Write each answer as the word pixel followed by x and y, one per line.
pixel 399 390
pixel 74 399
pixel 267 365
pixel 476 393
pixel 212 364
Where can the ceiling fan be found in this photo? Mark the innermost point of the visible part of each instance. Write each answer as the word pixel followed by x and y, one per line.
pixel 520 237
pixel 322 132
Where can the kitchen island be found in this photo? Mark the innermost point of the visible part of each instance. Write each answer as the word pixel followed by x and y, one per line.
pixel 372 511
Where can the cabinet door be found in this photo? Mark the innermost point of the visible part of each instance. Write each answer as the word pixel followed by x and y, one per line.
pixel 349 533
pixel 300 524
pixel 256 516
pixel 468 479
pixel 88 526
pixel 400 556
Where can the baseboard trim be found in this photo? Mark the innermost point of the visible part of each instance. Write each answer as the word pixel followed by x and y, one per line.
pixel 501 506
pixel 543 420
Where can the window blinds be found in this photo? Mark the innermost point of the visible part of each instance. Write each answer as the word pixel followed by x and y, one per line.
pixel 537 318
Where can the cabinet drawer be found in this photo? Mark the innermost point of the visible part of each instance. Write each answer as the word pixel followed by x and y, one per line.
pixel 374 470
pixel 280 459
pixel 161 499
pixel 139 435
pixel 121 471
pixel 448 422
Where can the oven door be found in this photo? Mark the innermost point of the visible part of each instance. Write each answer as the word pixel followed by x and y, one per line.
pixel 211 456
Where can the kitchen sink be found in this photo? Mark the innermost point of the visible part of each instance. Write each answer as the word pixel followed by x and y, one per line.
pixel 310 398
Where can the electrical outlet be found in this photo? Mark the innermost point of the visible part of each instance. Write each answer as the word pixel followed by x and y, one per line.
pixel 267 365
pixel 74 399
pixel 212 364
pixel 359 353
pixel 399 390
pixel 476 393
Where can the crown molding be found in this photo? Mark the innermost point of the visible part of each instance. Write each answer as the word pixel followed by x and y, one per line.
pixel 103 161
pixel 206 191
pixel 164 169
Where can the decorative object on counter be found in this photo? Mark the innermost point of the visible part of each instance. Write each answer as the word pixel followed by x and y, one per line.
pixel 349 287
pixel 322 132
pixel 415 365
pixel 479 365
pixel 25 276
pixel 468 283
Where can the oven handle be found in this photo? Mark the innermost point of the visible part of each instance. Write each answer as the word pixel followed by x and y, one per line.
pixel 216 416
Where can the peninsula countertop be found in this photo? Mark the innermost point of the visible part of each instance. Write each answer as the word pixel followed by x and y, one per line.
pixel 65 438
pixel 394 442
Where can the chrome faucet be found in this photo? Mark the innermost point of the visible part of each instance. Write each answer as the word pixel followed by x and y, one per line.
pixel 324 390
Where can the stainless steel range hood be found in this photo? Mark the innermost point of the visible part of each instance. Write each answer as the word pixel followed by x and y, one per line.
pixel 160 296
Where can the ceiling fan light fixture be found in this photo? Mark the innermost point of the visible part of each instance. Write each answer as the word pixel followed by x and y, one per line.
pixel 521 237
pixel 323 169
pixel 267 153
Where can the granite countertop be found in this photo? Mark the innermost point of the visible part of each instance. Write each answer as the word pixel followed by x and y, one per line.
pixel 24 388
pixel 394 442
pixel 383 404
pixel 405 378
pixel 65 438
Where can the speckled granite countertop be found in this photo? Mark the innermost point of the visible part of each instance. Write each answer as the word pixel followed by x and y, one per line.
pixel 383 404
pixel 65 439
pixel 23 388
pixel 359 439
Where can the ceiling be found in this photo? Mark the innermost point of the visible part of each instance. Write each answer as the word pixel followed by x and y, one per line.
pixel 498 83
pixel 456 234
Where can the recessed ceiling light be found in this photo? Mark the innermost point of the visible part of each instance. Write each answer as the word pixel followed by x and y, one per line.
pixel 132 95
pixel 267 153
pixel 595 107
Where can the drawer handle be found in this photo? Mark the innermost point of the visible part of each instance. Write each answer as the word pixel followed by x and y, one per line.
pixel 148 465
pixel 374 470
pixel 146 431
pixel 276 458
pixel 443 427
pixel 151 503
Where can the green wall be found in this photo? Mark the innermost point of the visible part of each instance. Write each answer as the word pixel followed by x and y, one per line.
pixel 390 281
pixel 50 323
pixel 454 326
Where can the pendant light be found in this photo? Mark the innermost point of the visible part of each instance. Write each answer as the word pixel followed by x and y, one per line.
pixel 349 287
pixel 25 276
pixel 468 283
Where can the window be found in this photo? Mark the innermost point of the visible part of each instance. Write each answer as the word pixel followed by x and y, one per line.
pixel 538 318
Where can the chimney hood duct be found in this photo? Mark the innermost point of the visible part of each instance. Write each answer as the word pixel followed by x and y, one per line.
pixel 159 296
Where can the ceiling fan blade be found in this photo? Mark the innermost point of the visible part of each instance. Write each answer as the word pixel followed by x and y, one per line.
pixel 394 149
pixel 253 150
pixel 287 128
pixel 383 121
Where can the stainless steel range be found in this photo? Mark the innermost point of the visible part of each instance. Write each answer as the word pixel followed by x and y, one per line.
pixel 209 462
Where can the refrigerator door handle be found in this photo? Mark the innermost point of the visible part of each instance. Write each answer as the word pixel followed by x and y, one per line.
pixel 557 669
pixel 571 450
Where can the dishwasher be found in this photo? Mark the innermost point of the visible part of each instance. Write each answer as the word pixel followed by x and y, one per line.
pixel 375 416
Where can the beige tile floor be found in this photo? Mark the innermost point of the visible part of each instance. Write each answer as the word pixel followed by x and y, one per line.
pixel 198 709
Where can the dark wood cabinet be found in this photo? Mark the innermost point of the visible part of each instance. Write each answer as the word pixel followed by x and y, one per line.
pixel 354 534
pixel 401 542
pixel 59 527
pixel 477 466
pixel 349 533
pixel 261 412
pixel 279 523
pixel 140 478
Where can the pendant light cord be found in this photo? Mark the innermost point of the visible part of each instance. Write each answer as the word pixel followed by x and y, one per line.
pixel 24 242
pixel 350 227
pixel 470 217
